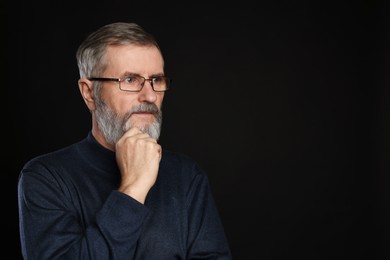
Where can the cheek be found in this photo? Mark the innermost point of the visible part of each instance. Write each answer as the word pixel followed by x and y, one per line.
pixel 122 104
pixel 125 105
pixel 159 100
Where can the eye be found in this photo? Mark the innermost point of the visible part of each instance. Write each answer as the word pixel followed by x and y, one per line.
pixel 130 80
pixel 157 80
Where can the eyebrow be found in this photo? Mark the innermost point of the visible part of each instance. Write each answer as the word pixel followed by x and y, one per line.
pixel 127 73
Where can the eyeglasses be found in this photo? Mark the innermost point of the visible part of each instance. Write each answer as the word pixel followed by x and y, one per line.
pixel 135 83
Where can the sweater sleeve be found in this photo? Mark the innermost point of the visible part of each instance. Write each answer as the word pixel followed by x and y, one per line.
pixel 51 229
pixel 206 238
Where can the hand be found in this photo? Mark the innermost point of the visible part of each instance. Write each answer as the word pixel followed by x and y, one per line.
pixel 138 157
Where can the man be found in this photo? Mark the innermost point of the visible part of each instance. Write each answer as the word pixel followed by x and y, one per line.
pixel 116 194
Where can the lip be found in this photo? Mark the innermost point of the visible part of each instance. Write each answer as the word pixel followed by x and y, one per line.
pixel 143 113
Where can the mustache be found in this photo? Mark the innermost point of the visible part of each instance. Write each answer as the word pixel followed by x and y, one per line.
pixel 144 108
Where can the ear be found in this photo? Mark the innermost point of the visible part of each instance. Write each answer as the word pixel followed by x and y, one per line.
pixel 86 91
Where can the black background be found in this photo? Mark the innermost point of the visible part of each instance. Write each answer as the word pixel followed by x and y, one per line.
pixel 284 104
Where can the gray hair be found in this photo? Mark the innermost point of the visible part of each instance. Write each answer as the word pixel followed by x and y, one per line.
pixel 90 54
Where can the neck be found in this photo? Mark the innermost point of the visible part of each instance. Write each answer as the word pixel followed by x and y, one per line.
pixel 97 134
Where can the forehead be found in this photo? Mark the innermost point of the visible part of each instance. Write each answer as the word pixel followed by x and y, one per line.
pixel 133 58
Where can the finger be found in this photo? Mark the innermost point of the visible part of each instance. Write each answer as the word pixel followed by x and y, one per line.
pixel 132 131
pixel 137 134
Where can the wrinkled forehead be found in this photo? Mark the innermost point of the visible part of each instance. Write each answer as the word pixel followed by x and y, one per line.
pixel 142 60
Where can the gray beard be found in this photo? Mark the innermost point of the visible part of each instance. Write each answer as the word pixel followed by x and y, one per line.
pixel 113 126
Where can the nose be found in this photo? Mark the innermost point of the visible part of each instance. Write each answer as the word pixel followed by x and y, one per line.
pixel 147 94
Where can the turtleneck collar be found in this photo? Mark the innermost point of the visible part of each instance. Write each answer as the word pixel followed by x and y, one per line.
pixel 97 154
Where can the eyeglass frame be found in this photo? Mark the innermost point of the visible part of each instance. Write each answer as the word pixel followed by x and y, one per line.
pixel 119 80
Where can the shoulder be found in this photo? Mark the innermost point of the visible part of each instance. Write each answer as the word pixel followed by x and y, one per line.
pixel 49 165
pixel 176 159
pixel 181 173
pixel 179 165
pixel 52 158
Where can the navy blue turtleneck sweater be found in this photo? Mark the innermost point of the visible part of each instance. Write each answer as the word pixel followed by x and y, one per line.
pixel 69 208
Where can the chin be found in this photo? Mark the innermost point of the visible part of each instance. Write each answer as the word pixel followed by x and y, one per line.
pixel 138 124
